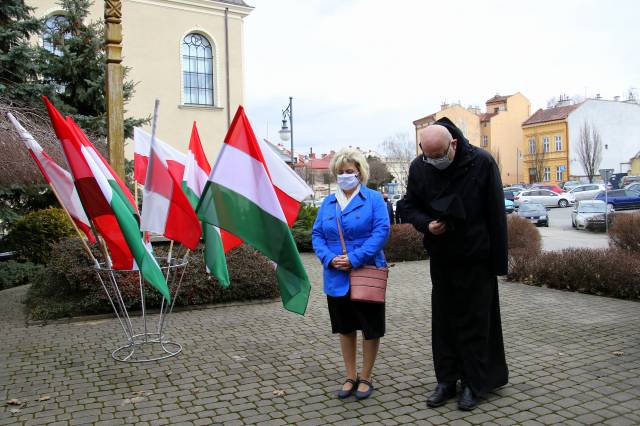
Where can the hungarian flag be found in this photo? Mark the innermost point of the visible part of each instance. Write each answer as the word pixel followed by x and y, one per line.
pixel 112 177
pixel 142 146
pixel 59 179
pixel 289 186
pixel 108 210
pixel 166 209
pixel 196 172
pixel 239 197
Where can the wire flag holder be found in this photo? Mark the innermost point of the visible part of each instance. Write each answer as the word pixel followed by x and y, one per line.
pixel 145 334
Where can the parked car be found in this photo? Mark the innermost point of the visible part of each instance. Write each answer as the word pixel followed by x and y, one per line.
pixel 633 187
pixel 620 199
pixel 509 207
pixel 570 184
pixel 586 191
pixel 510 193
pixel 627 180
pixel 545 197
pixel 318 201
pixel 590 214
pixel 534 212
pixel 554 188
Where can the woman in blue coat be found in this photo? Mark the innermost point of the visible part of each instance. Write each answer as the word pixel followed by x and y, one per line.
pixel 365 225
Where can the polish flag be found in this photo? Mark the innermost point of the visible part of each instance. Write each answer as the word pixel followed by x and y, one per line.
pixel 175 159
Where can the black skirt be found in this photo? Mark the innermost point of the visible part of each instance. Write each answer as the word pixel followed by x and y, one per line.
pixel 348 316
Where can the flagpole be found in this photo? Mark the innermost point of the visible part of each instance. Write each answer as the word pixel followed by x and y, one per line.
pixel 135 192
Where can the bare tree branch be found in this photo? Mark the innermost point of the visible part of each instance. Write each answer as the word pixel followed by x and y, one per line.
pixel 589 150
pixel 399 150
pixel 537 159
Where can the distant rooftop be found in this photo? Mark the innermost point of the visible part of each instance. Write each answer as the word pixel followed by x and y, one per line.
pixel 497 98
pixel 550 114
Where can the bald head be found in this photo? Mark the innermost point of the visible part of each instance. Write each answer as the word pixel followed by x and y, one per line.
pixel 435 141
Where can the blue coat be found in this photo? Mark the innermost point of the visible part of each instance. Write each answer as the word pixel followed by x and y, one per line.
pixel 365 226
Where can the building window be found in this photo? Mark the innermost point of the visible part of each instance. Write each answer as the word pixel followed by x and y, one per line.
pixel 485 141
pixel 559 174
pixel 51 35
pixel 558 143
pixel 545 144
pixel 532 146
pixel 547 174
pixel 197 70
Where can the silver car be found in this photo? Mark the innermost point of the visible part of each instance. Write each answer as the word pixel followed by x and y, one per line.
pixel 544 197
pixel 590 214
pixel 586 191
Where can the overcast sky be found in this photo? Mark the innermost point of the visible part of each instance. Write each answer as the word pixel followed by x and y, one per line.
pixel 362 70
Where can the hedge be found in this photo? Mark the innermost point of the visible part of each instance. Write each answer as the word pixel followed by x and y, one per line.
pixel 404 244
pixel 35 234
pixel 13 274
pixel 71 287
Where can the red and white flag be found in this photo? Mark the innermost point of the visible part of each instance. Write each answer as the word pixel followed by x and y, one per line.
pixel 59 179
pixel 175 159
pixel 166 209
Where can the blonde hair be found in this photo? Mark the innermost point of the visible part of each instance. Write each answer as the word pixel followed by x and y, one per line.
pixel 350 155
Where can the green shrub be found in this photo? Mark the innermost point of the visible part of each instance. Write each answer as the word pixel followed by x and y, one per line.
pixel 34 235
pixel 625 232
pixel 404 243
pixel 524 245
pixel 608 272
pixel 302 227
pixel 71 286
pixel 13 274
pixel 18 200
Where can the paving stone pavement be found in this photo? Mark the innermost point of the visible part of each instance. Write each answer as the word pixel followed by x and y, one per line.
pixel 258 364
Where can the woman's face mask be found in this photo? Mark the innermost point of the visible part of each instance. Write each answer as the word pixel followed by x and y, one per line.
pixel 348 178
pixel 348 181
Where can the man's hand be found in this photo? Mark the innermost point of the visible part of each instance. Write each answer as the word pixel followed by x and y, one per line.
pixel 341 262
pixel 437 228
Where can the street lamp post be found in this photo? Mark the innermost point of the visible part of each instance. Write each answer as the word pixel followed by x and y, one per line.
pixel 286 133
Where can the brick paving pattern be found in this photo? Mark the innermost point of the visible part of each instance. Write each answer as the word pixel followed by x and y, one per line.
pixel 574 360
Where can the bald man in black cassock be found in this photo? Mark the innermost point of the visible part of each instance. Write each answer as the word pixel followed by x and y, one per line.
pixel 455 198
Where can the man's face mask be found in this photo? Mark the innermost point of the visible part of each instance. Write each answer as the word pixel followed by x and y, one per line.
pixel 441 162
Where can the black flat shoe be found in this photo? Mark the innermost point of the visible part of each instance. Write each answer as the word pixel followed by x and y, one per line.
pixel 342 394
pixel 366 394
pixel 443 392
pixel 467 401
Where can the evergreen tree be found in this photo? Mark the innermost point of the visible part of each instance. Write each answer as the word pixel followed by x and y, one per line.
pixel 76 65
pixel 19 66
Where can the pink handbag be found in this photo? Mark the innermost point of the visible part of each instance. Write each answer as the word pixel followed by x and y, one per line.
pixel 368 283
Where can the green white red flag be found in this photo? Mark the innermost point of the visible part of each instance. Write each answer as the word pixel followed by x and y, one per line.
pixel 105 205
pixel 196 172
pixel 239 197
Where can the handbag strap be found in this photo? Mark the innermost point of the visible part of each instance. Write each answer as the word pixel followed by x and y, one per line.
pixel 344 247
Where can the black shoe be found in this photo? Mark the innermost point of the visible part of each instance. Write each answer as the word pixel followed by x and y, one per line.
pixel 342 394
pixel 467 401
pixel 443 392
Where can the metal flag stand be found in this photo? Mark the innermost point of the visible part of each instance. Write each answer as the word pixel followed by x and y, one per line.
pixel 143 344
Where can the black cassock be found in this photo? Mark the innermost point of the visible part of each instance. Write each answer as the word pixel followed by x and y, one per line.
pixel 465 261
